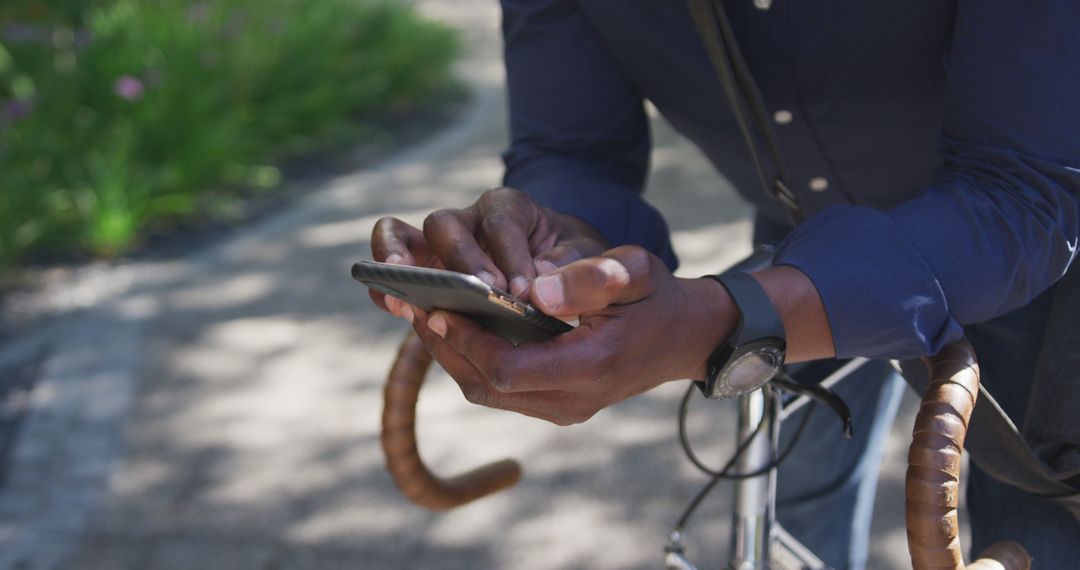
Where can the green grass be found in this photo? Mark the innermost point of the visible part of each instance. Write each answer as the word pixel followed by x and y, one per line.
pixel 121 116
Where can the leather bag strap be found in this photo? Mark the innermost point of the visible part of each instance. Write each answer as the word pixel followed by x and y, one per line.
pixel 744 98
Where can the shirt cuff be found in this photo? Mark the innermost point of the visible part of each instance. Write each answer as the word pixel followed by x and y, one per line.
pixel 881 297
pixel 590 192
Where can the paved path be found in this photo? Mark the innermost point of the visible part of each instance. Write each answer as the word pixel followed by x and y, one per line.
pixel 221 410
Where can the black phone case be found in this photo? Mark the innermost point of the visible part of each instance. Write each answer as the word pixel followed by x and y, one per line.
pixel 430 289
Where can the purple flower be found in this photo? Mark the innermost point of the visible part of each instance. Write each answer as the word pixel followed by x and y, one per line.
pixel 129 88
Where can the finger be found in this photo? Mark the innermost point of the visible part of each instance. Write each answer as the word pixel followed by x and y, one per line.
pixel 506 222
pixel 392 305
pixel 563 254
pixel 545 378
pixel 541 405
pixel 451 234
pixel 380 300
pixel 543 266
pixel 403 309
pixel 622 275
pixel 394 241
pixel 527 368
pixel 457 366
pixel 388 303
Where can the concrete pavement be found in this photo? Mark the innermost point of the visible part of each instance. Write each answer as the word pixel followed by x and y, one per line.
pixel 221 410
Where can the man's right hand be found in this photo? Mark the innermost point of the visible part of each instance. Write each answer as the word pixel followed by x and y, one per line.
pixel 505 239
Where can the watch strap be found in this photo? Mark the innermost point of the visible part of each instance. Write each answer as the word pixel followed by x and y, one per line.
pixel 757 314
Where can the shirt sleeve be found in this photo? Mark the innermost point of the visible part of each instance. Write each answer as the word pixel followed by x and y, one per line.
pixel 579 136
pixel 998 225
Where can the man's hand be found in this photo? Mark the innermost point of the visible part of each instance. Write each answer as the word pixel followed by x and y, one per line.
pixel 640 326
pixel 505 239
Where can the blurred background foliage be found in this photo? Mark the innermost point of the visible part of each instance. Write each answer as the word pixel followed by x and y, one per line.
pixel 119 117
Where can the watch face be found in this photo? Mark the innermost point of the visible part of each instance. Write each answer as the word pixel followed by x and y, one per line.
pixel 752 366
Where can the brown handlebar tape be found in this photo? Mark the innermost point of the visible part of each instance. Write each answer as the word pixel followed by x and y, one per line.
pixel 933 475
pixel 403 460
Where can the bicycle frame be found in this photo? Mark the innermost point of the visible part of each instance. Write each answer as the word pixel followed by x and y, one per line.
pixel 758 542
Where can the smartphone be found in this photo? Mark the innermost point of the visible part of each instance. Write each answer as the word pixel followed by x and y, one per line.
pixel 429 289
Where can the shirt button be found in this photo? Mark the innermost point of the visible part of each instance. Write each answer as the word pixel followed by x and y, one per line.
pixel 783 117
pixel 819 184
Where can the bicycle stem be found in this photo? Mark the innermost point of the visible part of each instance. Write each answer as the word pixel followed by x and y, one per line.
pixel 754 516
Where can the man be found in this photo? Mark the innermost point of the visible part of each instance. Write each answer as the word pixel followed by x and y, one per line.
pixel 934 147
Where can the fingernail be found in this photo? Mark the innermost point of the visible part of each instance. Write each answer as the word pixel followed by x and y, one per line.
pixel 549 290
pixel 393 258
pixel 394 305
pixel 544 266
pixel 486 277
pixel 438 324
pixel 518 285
pixel 407 313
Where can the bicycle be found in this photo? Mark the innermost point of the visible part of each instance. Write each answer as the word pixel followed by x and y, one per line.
pixel 758 541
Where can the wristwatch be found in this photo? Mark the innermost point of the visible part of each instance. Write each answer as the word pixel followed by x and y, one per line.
pixel 755 352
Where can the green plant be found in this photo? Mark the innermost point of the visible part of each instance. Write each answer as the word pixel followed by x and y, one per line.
pixel 121 115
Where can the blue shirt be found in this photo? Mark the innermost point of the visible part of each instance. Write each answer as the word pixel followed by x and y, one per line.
pixel 935 144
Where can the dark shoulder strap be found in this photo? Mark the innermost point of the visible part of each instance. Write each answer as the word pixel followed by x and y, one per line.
pixel 742 92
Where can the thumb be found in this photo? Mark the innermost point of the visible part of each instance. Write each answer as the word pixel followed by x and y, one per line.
pixel 619 276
